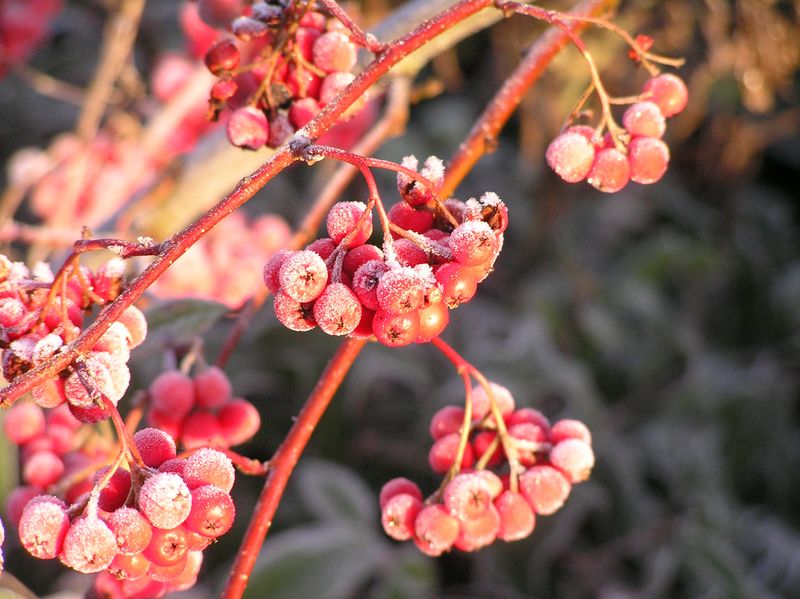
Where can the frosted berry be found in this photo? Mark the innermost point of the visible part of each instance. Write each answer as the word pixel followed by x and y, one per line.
pixel 435 530
pixel 342 220
pixel 396 486
pixel 337 310
pixel 400 290
pixel 212 387
pixel 332 85
pixel 294 315
pixel 209 466
pixel 333 51
pixel 131 530
pixel 481 405
pixel 648 158
pixel 43 526
pixel 365 282
pixel 570 429
pixel 173 392
pixel 644 118
pixel 473 243
pixel 545 488
pixel 574 458
pixel 23 422
pixel 445 421
pixel 517 519
pixel 155 446
pixel 165 500
pixel 467 496
pixel 89 545
pixel 303 276
pixel 398 515
pixel 571 156
pixel 669 92
pixel 610 171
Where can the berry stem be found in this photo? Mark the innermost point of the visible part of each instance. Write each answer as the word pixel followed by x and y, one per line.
pixel 482 138
pixel 283 462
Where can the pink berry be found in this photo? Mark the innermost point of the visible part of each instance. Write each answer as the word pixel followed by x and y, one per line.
pixel 173 392
pixel 23 422
pixel 532 415
pixel 648 158
pixel 435 530
pixel 209 466
pixel 399 514
pixel 135 322
pixel 43 526
pixel 570 155
pixel 442 454
pixel 155 446
pixel 343 219
pixel 212 511
pixel 574 458
pixel 481 405
pixel 302 111
pixel 396 486
pixel 333 51
pixel 400 290
pixel 669 92
pixel 239 421
pixel 272 268
pixel 445 421
pixel 42 469
pixel 644 118
pixel 395 330
pixel 116 490
pixel 467 496
pixel 212 388
pixel 473 243
pixel 248 128
pixel 610 170
pixel 294 315
pixel 570 429
pixel 458 283
pixel 303 276
pixel 89 545
pixel 357 256
pixel 478 532
pixel 332 85
pixel 131 530
pixel 337 310
pixel 517 519
pixel 545 488
pixel 165 500
pixel 201 429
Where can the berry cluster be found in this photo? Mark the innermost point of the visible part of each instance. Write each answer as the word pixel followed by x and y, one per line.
pixel 224 265
pixel 536 465
pixel 636 153
pixel 40 314
pixel 401 292
pixel 283 66
pixel 144 528
pixel 201 411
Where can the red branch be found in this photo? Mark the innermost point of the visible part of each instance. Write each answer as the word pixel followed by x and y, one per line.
pixel 283 462
pixel 483 135
pixel 174 247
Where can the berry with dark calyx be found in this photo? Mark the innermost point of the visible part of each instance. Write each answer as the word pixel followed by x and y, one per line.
pixel 303 276
pixel 400 290
pixel 222 57
pixel 167 546
pixel 669 92
pixel 89 545
pixel 131 530
pixel 337 310
pixel 648 158
pixel 398 515
pixel 467 496
pixel 212 511
pixel 128 567
pixel 395 330
pixel 644 118
pixel 294 315
pixel 610 170
pixel 545 488
pixel 458 283
pixel 571 156
pixel 43 526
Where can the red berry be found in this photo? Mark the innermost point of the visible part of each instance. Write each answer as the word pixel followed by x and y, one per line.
pixel 517 519
pixel 212 387
pixel 357 256
pixel 333 84
pixel 473 243
pixel 201 429
pixel 294 315
pixel 445 421
pixel 248 128
pixel 433 320
pixel 167 547
pixel 342 220
pixel 42 469
pixel 409 218
pixel 165 500
pixel 467 496
pixel 481 405
pixel 337 310
pixel 574 458
pixel 302 111
pixel 239 421
pixel 570 155
pixel 155 446
pixel 43 526
pixel 435 530
pixel 478 532
pixel 545 488
pixel 128 567
pixel 303 276
pixel 23 422
pixel 442 454
pixel 273 267
pixel 222 57
pixel 396 486
pixel 209 466
pixel 648 158
pixel 131 530
pixel 212 511
pixel 116 491
pixel 399 514
pixel 173 393
pixel 644 118
pixel 458 283
pixel 570 429
pixel 395 330
pixel 400 290
pixel 610 170
pixel 89 545
pixel 365 282
pixel 333 51
pixel 669 92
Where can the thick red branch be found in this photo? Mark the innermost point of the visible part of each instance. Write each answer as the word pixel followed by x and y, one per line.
pixel 283 462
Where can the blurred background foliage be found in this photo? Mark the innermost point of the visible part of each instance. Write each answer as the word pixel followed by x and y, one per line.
pixel 667 317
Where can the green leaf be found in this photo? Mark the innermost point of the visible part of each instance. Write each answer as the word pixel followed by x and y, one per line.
pixel 333 492
pixel 175 322
pixel 328 561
